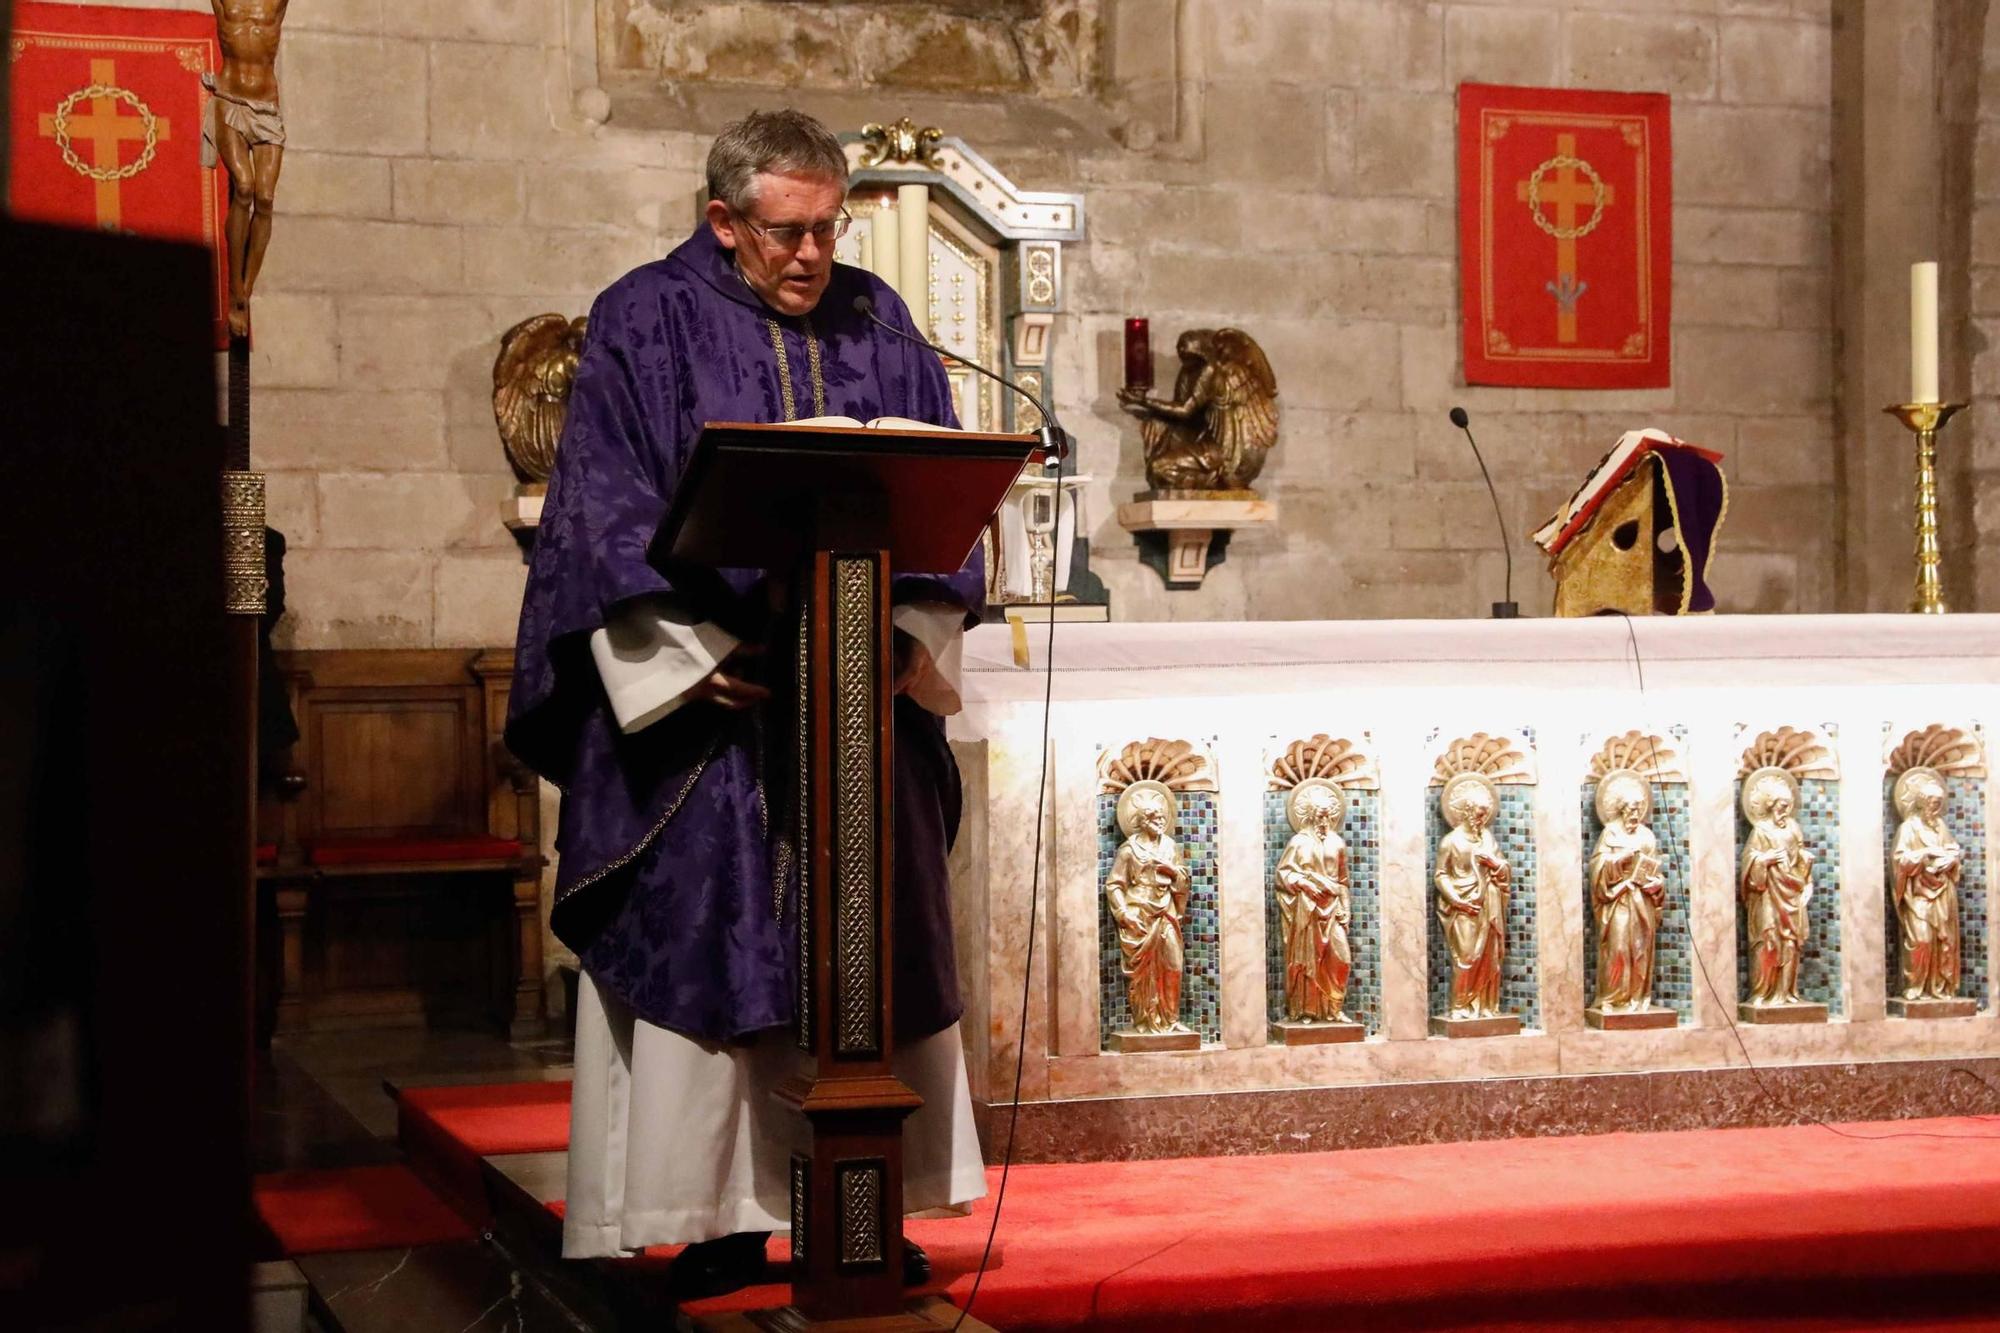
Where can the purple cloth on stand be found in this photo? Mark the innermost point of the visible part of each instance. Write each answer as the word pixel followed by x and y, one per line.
pixel 1699 496
pixel 664 882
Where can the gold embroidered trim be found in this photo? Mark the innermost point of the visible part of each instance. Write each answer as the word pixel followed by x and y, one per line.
pixel 812 367
pixel 673 808
pixel 785 367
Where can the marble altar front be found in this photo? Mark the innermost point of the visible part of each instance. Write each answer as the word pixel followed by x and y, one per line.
pixel 1398 712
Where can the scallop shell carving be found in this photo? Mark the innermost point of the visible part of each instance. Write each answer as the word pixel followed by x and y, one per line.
pixel 1337 760
pixel 1949 750
pixel 1177 765
pixel 1651 757
pixel 1496 758
pixel 1803 754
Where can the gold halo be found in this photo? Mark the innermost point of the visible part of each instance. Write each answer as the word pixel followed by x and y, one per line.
pixel 1617 780
pixel 1761 778
pixel 1901 791
pixel 1452 788
pixel 1292 803
pixel 1126 818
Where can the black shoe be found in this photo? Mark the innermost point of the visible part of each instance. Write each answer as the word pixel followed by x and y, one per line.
pixel 916 1264
pixel 713 1267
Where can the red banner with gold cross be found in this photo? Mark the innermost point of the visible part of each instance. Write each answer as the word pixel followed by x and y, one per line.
pixel 105 117
pixel 1565 206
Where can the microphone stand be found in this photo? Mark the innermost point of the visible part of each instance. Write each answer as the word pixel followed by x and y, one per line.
pixel 1055 440
pixel 1509 609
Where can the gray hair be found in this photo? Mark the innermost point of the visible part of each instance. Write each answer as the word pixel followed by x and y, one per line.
pixel 782 141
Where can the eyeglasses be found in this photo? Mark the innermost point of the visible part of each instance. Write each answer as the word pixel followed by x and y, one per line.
pixel 793 236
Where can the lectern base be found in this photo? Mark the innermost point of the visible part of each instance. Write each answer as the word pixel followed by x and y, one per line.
pixel 933 1314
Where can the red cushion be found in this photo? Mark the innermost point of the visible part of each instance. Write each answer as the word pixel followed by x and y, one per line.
pixel 267 853
pixel 352 1208
pixel 379 851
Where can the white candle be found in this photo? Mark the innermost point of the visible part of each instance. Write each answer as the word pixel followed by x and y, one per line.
pixel 913 211
pixel 1923 332
pixel 888 247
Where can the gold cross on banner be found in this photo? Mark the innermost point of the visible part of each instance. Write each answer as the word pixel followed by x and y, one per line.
pixel 105 131
pixel 1567 192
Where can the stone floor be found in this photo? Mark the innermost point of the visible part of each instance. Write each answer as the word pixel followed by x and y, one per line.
pixel 319 1103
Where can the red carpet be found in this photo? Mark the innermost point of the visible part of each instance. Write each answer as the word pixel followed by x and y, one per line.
pixel 351 1208
pixel 446 1130
pixel 1891 1224
pixel 1540 1229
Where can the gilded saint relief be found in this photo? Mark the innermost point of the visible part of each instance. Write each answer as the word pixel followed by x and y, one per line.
pixel 1484 978
pixel 1159 959
pixel 1935 847
pixel 1787 875
pixel 1322 917
pixel 1635 808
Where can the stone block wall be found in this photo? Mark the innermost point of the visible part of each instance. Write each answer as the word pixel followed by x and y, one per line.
pixel 1979 430
pixel 1317 206
pixel 1298 180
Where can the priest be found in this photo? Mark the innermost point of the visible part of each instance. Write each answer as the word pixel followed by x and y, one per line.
pixel 656 699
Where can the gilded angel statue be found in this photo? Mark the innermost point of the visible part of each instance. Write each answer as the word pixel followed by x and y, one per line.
pixel 532 378
pixel 1221 422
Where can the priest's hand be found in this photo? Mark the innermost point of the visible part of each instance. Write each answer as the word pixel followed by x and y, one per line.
pixel 727 686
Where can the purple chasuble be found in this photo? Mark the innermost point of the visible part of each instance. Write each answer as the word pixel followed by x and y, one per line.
pixel 665 883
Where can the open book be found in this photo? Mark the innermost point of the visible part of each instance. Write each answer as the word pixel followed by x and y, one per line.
pixel 879 423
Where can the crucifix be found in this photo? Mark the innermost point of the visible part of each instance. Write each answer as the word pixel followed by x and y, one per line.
pixel 106 131
pixel 1567 192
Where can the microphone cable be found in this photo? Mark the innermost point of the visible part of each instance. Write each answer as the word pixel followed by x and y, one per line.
pixel 1056 444
pixel 1772 1094
pixel 1028 965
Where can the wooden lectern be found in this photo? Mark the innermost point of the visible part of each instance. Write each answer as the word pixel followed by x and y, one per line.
pixel 843 508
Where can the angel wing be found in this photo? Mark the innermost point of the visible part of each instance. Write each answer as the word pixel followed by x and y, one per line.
pixel 532 378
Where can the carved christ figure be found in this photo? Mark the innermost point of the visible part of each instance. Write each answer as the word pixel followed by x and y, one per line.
pixel 1472 884
pixel 1929 862
pixel 245 131
pixel 1776 877
pixel 1313 908
pixel 1148 893
pixel 1626 894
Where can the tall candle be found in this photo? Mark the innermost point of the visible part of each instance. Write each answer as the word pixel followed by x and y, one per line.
pixel 888 246
pixel 913 212
pixel 1923 332
pixel 1138 354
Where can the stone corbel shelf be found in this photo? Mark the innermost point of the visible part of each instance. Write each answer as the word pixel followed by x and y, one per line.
pixel 1190 525
pixel 522 513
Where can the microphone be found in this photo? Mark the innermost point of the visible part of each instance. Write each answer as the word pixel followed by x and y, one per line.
pixel 1055 440
pixel 1506 610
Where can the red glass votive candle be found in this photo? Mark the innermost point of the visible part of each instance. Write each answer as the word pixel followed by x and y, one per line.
pixel 1138 354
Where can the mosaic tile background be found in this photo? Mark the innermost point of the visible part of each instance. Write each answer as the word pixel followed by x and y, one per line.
pixel 1673 978
pixel 1363 832
pixel 1819 972
pixel 1514 827
pixel 1201 985
pixel 1965 816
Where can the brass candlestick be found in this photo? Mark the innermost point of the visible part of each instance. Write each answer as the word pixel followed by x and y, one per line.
pixel 1924 419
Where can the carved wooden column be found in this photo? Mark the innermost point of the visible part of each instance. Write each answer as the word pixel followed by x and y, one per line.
pixel 847 1223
